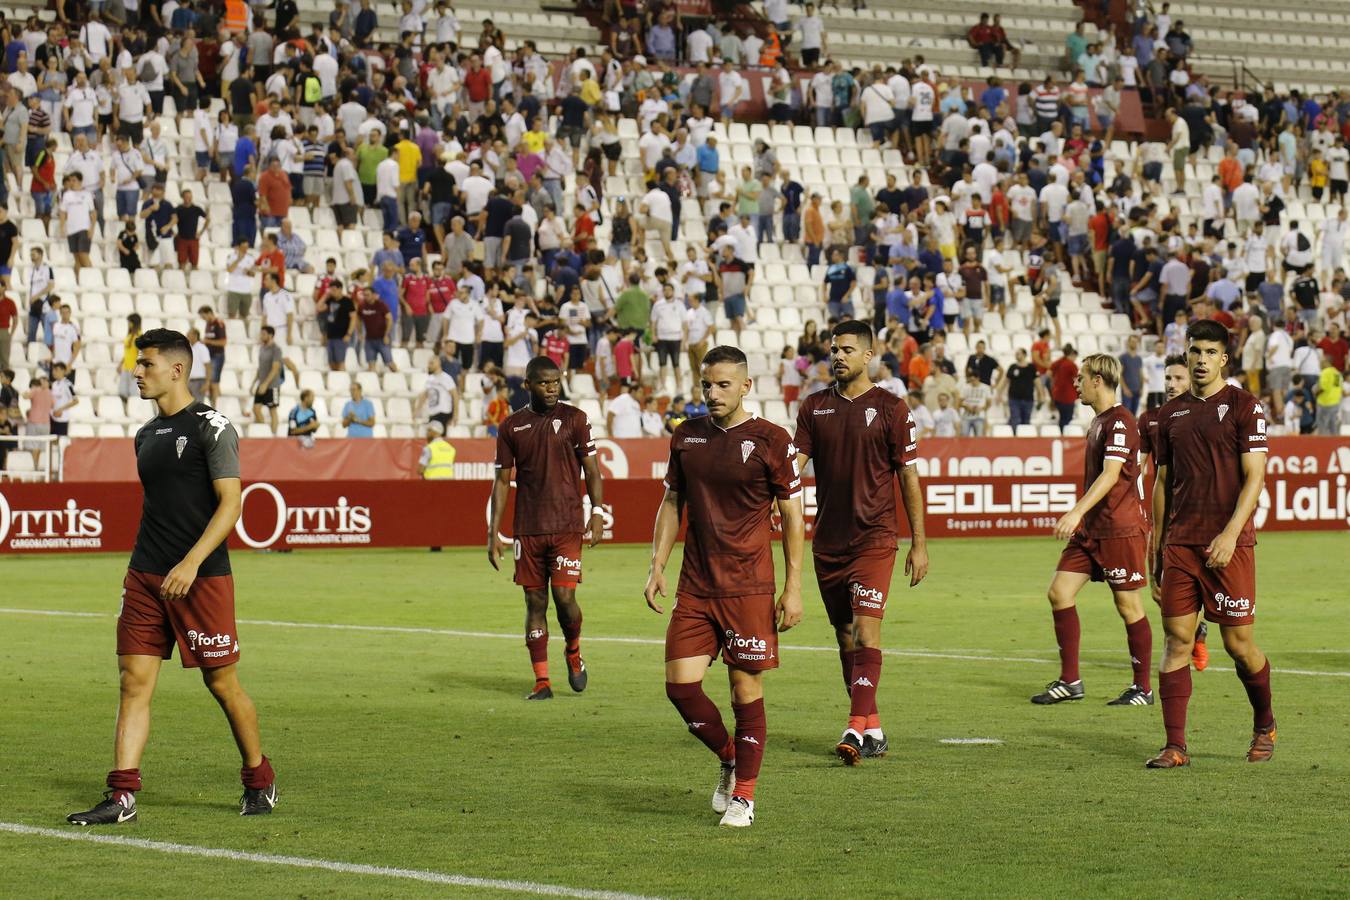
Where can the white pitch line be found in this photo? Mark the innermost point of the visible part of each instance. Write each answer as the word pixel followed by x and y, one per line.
pixel 303 862
pixel 969 741
pixel 495 635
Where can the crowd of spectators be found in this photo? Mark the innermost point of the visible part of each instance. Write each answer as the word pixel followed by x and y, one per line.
pixel 490 181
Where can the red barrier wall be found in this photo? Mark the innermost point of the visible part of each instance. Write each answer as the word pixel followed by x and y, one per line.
pixel 1307 488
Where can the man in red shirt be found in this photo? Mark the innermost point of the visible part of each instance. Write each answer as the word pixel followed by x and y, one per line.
pixel 274 195
pixel 478 86
pixel 862 439
pixel 555 346
pixel 270 259
pixel 9 315
pixel 1106 538
pixel 1335 347
pixel 728 469
pixel 1040 358
pixel 1100 226
pixel 441 290
pixel 981 37
pixel 416 287
pixel 548 446
pixel 1063 385
pixel 1211 453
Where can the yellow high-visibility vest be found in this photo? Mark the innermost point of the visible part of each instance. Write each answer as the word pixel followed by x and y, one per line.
pixel 442 462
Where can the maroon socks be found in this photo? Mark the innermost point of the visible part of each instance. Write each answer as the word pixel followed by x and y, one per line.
pixel 1258 692
pixel 572 635
pixel 1139 636
pixel 863 692
pixel 536 641
pixel 1174 688
pixel 259 776
pixel 702 716
pixel 125 780
pixel 751 734
pixel 1067 635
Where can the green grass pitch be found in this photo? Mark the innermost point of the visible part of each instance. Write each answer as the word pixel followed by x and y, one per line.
pixel 413 748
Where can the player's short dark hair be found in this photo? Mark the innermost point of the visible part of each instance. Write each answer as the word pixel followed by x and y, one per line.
pixel 725 354
pixel 1207 330
pixel 166 342
pixel 1176 359
pixel 538 366
pixel 856 327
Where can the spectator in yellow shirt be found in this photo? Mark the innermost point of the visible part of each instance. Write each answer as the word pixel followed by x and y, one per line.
pixel 1317 174
pixel 409 161
pixel 1329 393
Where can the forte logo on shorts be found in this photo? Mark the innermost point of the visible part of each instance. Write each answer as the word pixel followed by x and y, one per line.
pixel 562 563
pixel 1116 576
pixel 1234 607
pixel 219 644
pixel 867 597
pixel 747 648
pixel 70 528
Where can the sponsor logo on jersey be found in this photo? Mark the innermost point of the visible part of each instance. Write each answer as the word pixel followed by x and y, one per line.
pixel 1223 411
pixel 163 431
pixel 562 562
pixel 871 598
pixel 1179 413
pixel 747 447
pixel 870 415
pixel 1114 575
pixel 202 639
pixel 215 419
pixel 522 427
pixel 695 440
pixel 557 423
pixel 746 647
pixel 180 445
pixel 821 412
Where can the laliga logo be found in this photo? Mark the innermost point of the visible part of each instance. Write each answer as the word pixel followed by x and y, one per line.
pixel 343 518
pixel 68 522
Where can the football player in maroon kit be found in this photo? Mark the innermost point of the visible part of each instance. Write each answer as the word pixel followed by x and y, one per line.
pixel 548 445
pixel 1211 452
pixel 1107 538
pixel 728 470
pixel 862 438
pixel 1176 381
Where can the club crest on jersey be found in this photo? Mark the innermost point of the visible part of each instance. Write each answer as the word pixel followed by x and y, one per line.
pixel 1223 411
pixel 870 415
pixel 557 423
pixel 747 447
pixel 180 445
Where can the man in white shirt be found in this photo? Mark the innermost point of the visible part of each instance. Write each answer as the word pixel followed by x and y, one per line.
pixel 278 309
pixel 813 39
pixel 946 420
pixel 623 419
pixel 878 115
pixel 732 88
pixel 1022 206
pixel 668 329
pixel 476 189
pixel 697 47
pixel 1246 205
pixel 66 343
pixel 1054 200
pixel 386 190
pixel 1296 248
pixel 658 218
pixel 439 399
pixel 464 326
pixel 96 37
pixel 201 364
pixel 132 102
pixel 1333 245
pixel 698 325
pixel 77 218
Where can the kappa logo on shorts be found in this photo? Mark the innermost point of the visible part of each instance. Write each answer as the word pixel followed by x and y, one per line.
pixel 180 445
pixel 747 447
pixel 1136 576
pixel 863 681
pixel 557 423
pixel 870 415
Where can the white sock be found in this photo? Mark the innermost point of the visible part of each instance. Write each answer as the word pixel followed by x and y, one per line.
pixel 854 733
pixel 874 733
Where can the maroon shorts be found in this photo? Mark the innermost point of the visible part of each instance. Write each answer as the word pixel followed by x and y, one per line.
pixel 742 629
pixel 202 623
pixel 1117 561
pixel 856 584
pixel 1227 595
pixel 544 558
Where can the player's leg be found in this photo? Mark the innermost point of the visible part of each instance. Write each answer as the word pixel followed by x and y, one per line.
pixel 692 642
pixel 1064 588
pixel 1181 605
pixel 569 620
pixel 747 703
pixel 137 676
pixel 832 579
pixel 1139 640
pixel 536 640
pixel 1253 670
pixel 260 790
pixel 863 737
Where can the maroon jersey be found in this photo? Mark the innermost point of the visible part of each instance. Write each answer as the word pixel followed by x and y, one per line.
pixel 1148 433
pixel 1202 443
pixel 546 452
pixel 858 447
pixel 728 480
pixel 1113 435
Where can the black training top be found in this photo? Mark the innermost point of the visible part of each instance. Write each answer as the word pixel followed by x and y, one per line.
pixel 178 457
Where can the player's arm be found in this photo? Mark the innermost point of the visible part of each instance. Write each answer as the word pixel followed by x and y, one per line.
pixel 501 487
pixel 911 494
pixel 788 610
pixel 179 580
pixel 663 541
pixel 1220 550
pixel 1096 492
pixel 595 489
